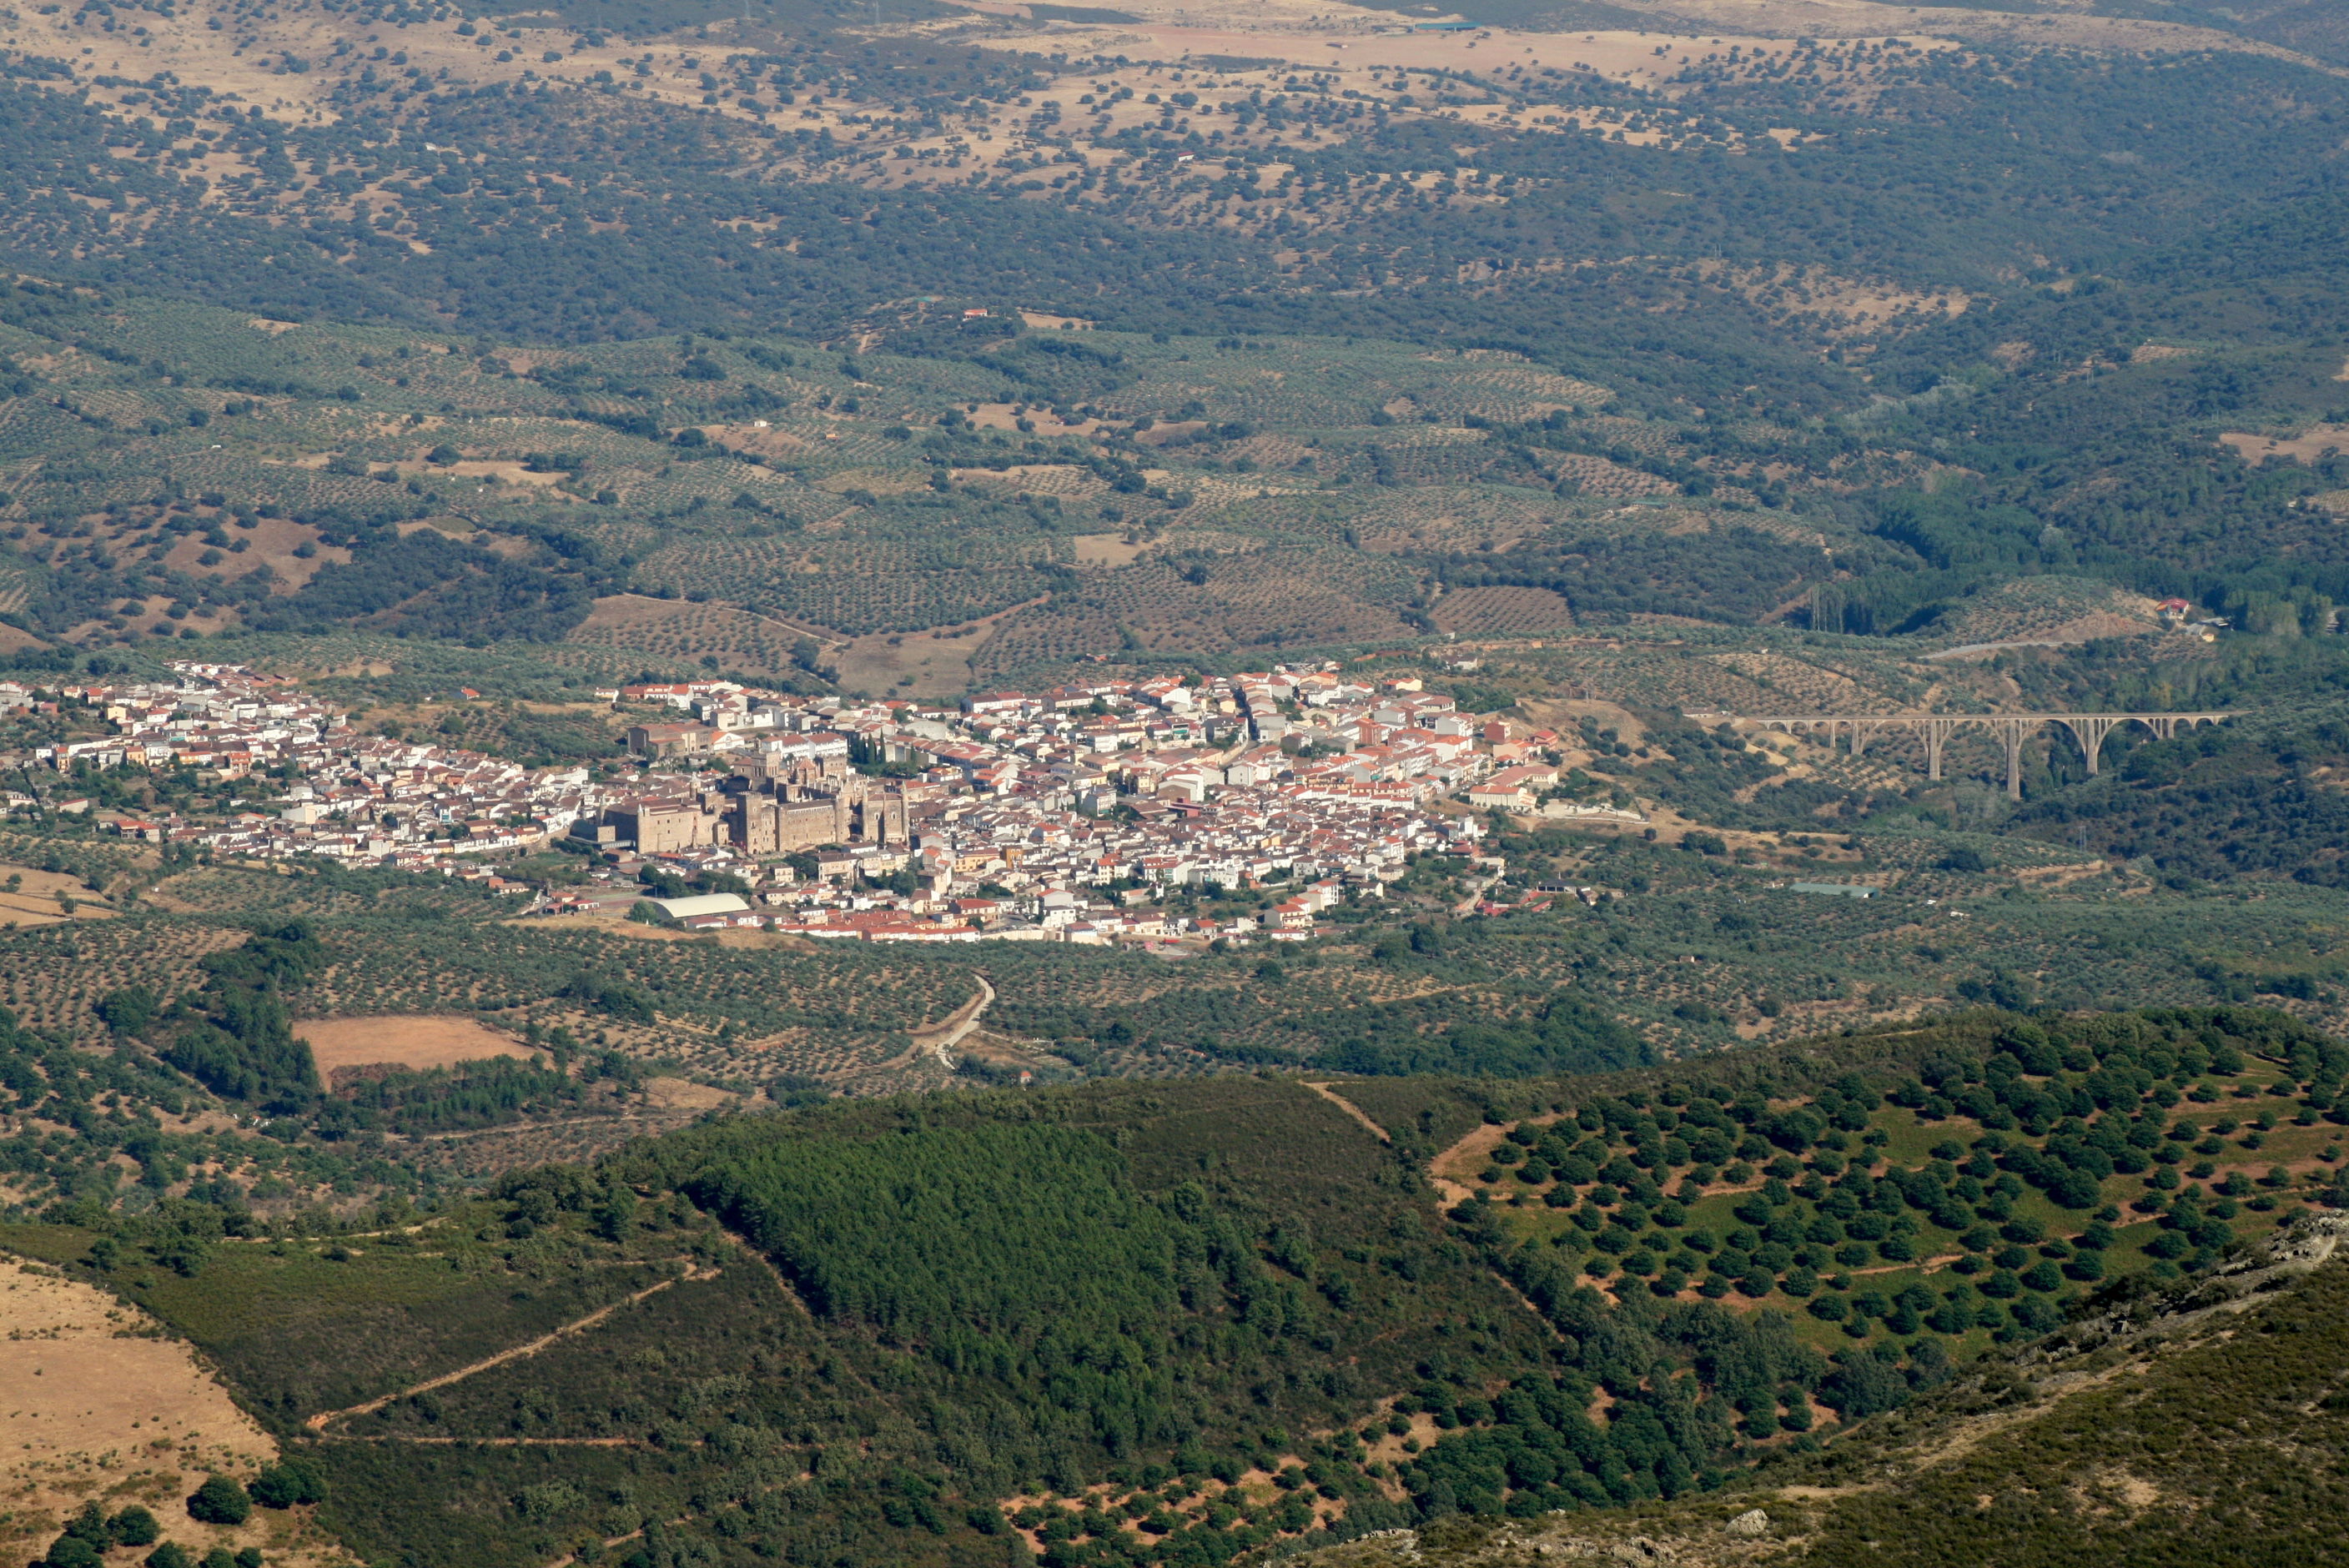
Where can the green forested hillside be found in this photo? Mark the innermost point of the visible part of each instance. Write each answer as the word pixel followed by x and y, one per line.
pixel 2189 1426
pixel 1177 1323
pixel 917 1237
pixel 2248 802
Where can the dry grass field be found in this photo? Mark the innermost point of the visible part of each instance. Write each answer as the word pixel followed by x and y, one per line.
pixel 347 1048
pixel 1271 36
pixel 684 1094
pixel 932 664
pixel 1107 549
pixel 97 1402
pixel 2316 441
pixel 31 897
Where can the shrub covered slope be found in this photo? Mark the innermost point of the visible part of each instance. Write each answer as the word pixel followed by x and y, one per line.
pixel 1174 1323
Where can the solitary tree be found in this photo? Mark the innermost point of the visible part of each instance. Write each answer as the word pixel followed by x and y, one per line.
pixel 219 1501
pixel 284 1485
pixel 134 1526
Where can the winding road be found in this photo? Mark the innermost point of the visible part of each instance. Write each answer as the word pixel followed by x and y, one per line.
pixel 939 1038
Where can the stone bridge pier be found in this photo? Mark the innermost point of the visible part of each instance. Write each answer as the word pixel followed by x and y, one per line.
pixel 2013 731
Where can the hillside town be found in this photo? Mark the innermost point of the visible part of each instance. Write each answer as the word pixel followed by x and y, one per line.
pixel 1072 814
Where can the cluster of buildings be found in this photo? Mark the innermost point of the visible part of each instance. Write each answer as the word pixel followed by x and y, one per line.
pixel 317 787
pixel 1071 814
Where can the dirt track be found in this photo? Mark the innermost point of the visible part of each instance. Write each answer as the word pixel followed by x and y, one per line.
pixel 1351 1109
pixel 319 1422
